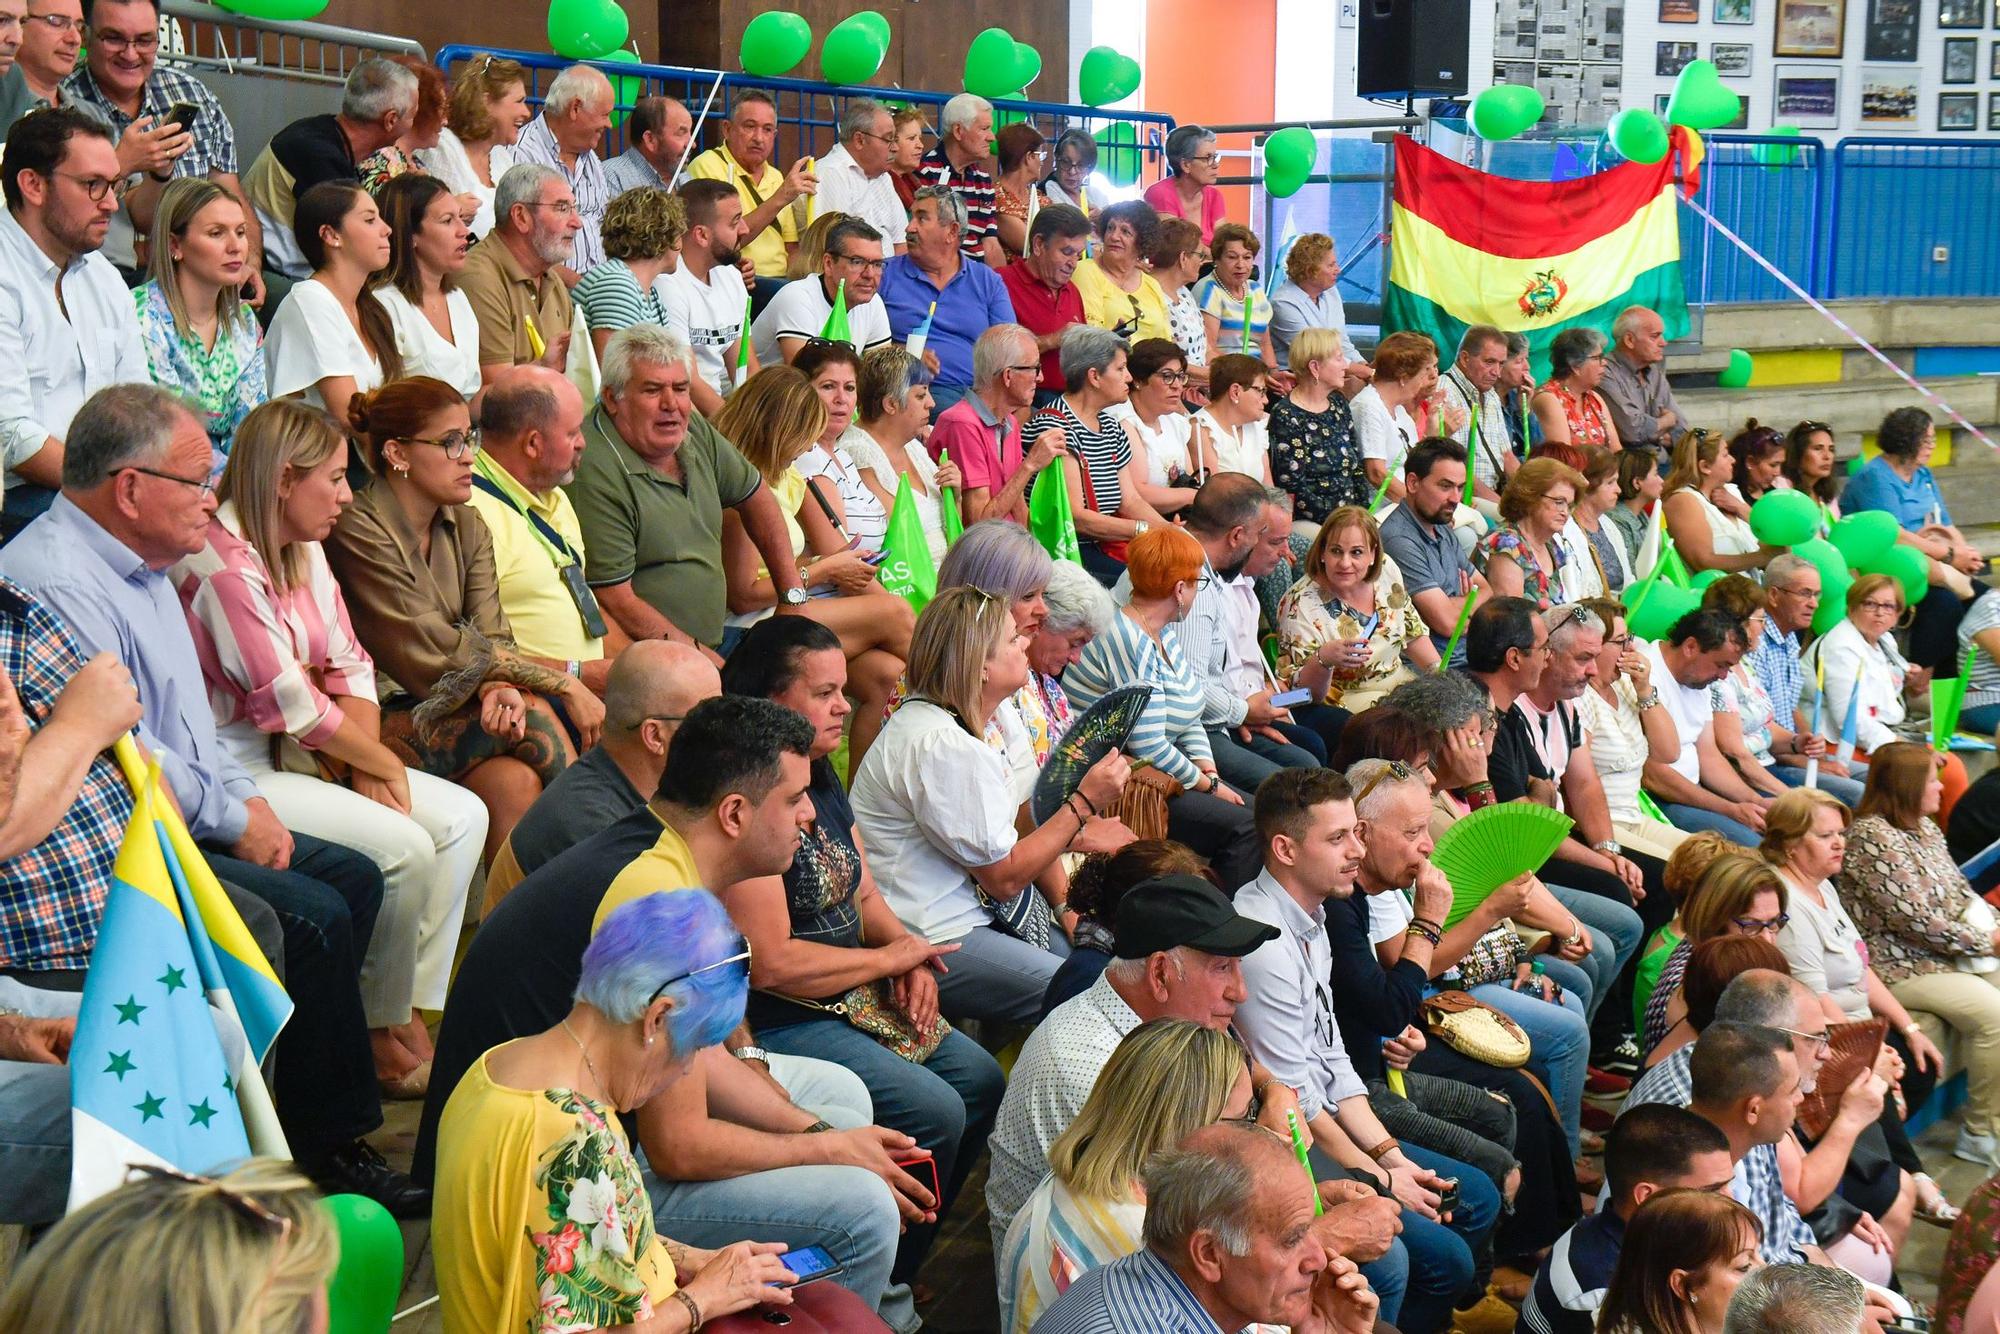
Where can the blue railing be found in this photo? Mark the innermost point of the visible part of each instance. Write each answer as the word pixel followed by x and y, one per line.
pixel 1894 203
pixel 808 111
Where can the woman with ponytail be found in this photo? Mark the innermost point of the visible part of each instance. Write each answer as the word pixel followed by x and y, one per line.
pixel 331 339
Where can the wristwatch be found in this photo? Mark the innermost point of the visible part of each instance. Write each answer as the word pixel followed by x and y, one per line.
pixel 1609 846
pixel 753 1054
pixel 1140 526
pixel 793 597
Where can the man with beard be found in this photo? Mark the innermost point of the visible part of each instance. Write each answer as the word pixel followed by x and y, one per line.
pixel 513 275
pixel 703 299
pixel 1312 853
pixel 1419 538
pixel 853 261
pixel 63 307
pixel 1699 789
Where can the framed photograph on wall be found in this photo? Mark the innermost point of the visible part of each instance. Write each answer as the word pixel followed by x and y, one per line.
pixel 1732 59
pixel 1889 99
pixel 1660 103
pixel 1808 96
pixel 1961 13
pixel 1680 11
pixel 1742 11
pixel 1742 121
pixel 1670 58
pixel 1993 60
pixel 1993 111
pixel 1892 30
pixel 1814 28
pixel 1961 60
pixel 1958 111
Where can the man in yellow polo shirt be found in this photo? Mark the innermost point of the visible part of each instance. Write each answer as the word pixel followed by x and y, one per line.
pixel 774 202
pixel 531 435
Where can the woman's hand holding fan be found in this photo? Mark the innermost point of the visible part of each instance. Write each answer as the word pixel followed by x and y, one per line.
pixel 1104 781
pixel 1511 899
pixel 1103 833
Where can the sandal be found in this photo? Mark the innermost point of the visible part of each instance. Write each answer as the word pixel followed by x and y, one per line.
pixel 1932 1206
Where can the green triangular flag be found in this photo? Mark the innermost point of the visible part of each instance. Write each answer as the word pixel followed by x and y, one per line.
pixel 835 329
pixel 1049 517
pixel 743 346
pixel 906 569
pixel 948 516
pixel 1671 565
pixel 1947 698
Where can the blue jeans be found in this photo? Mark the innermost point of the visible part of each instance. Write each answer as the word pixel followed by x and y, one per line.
pixel 1695 820
pixel 34 1117
pixel 1245 765
pixel 1843 789
pixel 999 978
pixel 1561 1039
pixel 1389 1275
pixel 1441 1254
pixel 1615 935
pixel 946 1105
pixel 1980 720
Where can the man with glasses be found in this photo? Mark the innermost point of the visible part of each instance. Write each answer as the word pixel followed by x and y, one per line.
pixel 934 290
pixel 1699 789
pixel 48 34
pixel 1046 300
pixel 123 83
pixel 1635 384
pixel 1792 594
pixel 1469 383
pixel 984 430
pixel 704 298
pixel 512 276
pixel 64 310
pixel 800 310
pixel 854 177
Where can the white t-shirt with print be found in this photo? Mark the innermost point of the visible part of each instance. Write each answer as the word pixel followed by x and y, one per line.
pixel 709 314
pixel 1688 706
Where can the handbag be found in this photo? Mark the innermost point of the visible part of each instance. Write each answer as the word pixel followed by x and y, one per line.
pixel 1494 957
pixel 1116 550
pixel 1474 1029
pixel 817 1308
pixel 869 1008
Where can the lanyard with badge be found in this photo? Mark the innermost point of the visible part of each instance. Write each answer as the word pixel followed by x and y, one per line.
pixel 567 560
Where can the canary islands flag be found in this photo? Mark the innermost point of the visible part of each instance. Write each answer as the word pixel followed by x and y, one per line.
pixel 1534 257
pixel 178 1011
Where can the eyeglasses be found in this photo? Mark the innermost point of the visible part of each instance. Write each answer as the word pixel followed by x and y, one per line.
pixel 1396 770
pixel 56 22
pixel 664 718
pixel 1877 604
pixel 1802 594
pixel 562 208
pixel 1562 616
pixel 455 444
pixel 204 485
pixel 95 186
pixel 1620 642
pixel 1207 159
pixel 115 42
pixel 865 265
pixel 275 1224
pixel 1036 367
pixel 1762 926
pixel 1822 1039
pixel 742 956
pixel 1172 377
pixel 888 139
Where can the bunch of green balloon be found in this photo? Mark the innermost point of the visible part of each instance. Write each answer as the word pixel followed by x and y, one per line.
pixel 1834 581
pixel 1908 567
pixel 1106 76
pixel 1737 374
pixel 774 43
pixel 289 10
pixel 361 1295
pixel 1638 135
pixel 1864 538
pixel 854 49
pixel 1700 101
pixel 1118 153
pixel 1655 605
pixel 1505 110
pixel 996 65
pixel 586 29
pixel 1784 518
pixel 1290 155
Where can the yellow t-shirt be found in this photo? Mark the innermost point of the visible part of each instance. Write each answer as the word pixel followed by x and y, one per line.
pixel 545 620
pixel 667 865
pixel 767 248
pixel 1108 305
pixel 540 1221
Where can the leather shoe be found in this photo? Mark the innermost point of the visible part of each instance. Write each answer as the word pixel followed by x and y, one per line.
pixel 357 1169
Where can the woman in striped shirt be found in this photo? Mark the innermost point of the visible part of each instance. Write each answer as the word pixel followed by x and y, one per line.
pixel 1143 647
pixel 642 241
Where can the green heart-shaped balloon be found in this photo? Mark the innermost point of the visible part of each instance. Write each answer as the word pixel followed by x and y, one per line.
pixel 625 89
pixel 1504 110
pixel 1863 537
pixel 1737 374
pixel 1778 155
pixel 850 54
pixel 774 43
pixel 990 63
pixel 1285 182
pixel 293 10
pixel 1106 76
pixel 1290 152
pixel 1118 153
pixel 1784 518
pixel 1700 101
pixel 1638 135
pixel 361 1294
pixel 587 29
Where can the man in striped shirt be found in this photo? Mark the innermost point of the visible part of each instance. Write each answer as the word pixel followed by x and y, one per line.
pixel 959 162
pixel 565 137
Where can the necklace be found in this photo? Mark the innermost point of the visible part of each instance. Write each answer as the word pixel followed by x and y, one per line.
pixel 584 1051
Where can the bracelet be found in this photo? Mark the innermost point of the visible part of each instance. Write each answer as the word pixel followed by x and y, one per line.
pixel 1650 700
pixel 694 1312
pixel 1079 795
pixel 1424 933
pixel 1381 1150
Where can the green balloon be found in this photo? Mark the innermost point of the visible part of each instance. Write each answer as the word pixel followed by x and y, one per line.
pixel 1832 601
pixel 1027 65
pixel 289 10
pixel 1504 110
pixel 361 1295
pixel 990 63
pixel 1638 135
pixel 625 89
pixel 1700 101
pixel 850 54
pixel 1825 558
pixel 1283 184
pixel 1106 76
pixel 1701 581
pixel 1118 153
pixel 1737 373
pixel 1663 604
pixel 1784 518
pixel 774 43
pixel 1778 155
pixel 1907 566
pixel 586 29
pixel 1864 538
pixel 871 20
pixel 1291 151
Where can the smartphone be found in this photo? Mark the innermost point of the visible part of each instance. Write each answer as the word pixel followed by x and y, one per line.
pixel 1448 1197
pixel 183 114
pixel 924 1169
pixel 1291 698
pixel 874 557
pixel 811 1264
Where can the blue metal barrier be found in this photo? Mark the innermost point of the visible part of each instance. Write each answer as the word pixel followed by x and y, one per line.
pixel 1769 190
pixel 1892 203
pixel 808 111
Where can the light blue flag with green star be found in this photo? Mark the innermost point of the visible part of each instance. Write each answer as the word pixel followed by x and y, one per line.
pixel 161 1069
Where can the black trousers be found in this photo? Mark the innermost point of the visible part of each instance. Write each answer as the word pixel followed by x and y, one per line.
pixel 1222 833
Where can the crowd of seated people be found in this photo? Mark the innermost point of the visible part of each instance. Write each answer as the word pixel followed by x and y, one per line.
pixel 485 535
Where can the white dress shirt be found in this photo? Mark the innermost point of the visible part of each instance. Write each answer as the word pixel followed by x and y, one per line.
pixel 58 361
pixel 845 188
pixel 1287 1019
pixel 424 350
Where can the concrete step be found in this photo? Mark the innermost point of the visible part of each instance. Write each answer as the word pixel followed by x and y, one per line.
pixel 1890 325
pixel 1849 408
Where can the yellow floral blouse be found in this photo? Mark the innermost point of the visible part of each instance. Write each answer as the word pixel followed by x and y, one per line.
pixel 1309 617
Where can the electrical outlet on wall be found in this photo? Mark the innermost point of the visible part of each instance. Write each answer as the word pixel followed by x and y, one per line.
pixel 1940 254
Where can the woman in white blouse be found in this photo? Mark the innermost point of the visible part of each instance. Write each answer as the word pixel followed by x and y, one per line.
pixel 1623 736
pixel 1385 425
pixel 887 443
pixel 1708 523
pixel 836 497
pixel 935 805
pixel 1229 434
pixel 488 109
pixel 331 339
pixel 1860 654
pixel 436 332
pixel 1155 419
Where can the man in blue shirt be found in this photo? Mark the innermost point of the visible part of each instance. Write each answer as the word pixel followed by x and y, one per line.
pixel 1227 1184
pixel 933 284
pixel 1418 536
pixel 136 498
pixel 1650 1149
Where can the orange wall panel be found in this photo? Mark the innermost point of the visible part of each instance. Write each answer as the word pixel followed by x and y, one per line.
pixel 1210 62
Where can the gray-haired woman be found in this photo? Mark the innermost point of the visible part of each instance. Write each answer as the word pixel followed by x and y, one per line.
pixel 1190 192
pixel 539 1198
pixel 893 392
pixel 1078 611
pixel 1105 479
pixel 1073 159
pixel 1568 406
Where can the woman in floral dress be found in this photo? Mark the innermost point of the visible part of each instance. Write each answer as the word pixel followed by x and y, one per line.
pixel 1347 630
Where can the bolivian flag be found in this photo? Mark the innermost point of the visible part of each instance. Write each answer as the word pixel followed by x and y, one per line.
pixel 1535 257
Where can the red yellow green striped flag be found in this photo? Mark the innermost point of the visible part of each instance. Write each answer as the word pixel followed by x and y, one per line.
pixel 1535 257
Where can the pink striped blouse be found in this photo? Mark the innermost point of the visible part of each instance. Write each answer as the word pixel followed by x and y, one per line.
pixel 276 661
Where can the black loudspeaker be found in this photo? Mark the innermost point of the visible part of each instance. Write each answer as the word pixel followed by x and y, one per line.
pixel 1412 47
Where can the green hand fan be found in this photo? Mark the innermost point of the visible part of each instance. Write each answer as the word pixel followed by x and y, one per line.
pixel 1491 846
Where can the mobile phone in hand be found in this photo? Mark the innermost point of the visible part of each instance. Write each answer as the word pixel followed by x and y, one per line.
pixel 183 114
pixel 1448 1196
pixel 924 1169
pixel 811 1264
pixel 1291 699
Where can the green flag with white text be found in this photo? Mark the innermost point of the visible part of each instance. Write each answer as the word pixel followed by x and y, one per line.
pixel 907 569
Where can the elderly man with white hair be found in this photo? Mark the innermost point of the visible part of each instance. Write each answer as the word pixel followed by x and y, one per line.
pixel 854 177
pixel 512 278
pixel 1635 384
pixel 958 161
pixel 1797 1299
pixel 983 434
pixel 575 114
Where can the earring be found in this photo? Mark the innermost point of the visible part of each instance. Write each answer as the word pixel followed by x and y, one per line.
pixel 649 1040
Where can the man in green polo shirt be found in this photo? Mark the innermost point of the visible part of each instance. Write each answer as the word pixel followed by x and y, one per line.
pixel 650 491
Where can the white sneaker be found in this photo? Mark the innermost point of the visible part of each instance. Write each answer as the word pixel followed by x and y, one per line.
pixel 1975 1148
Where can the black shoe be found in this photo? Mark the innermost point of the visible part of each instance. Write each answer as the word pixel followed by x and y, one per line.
pixel 1624 1059
pixel 356 1169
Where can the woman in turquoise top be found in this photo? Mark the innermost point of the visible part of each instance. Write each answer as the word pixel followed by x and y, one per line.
pixel 1229 300
pixel 642 240
pixel 201 338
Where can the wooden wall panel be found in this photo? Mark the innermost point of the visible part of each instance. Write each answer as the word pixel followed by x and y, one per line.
pixel 518 24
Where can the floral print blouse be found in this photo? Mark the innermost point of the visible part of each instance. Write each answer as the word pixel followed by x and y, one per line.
pixel 1315 456
pixel 1507 541
pixel 1309 617
pixel 1589 419
pixel 1905 892
pixel 227 379
pixel 1742 694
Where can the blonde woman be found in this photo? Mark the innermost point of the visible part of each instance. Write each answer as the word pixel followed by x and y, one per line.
pixel 642 240
pixel 1166 1080
pixel 1710 527
pixel 487 110
pixel 262 1220
pixel 202 340
pixel 294 699
pixel 1346 628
